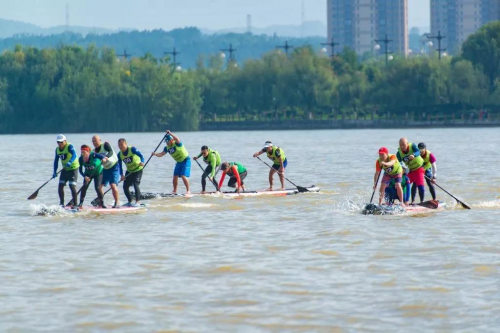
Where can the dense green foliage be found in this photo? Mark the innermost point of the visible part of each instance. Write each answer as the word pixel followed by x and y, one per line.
pixel 189 41
pixel 72 89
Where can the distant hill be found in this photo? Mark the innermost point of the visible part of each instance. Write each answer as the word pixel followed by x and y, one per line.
pixel 308 29
pixel 10 28
pixel 191 42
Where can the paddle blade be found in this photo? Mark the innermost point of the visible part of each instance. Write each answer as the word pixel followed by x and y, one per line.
pixel 95 202
pixel 302 189
pixel 33 196
pixel 463 205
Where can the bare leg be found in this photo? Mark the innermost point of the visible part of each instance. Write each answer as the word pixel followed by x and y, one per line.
pixel 114 190
pixel 282 180
pixel 186 183
pixel 400 192
pixel 271 174
pixel 382 193
pixel 175 183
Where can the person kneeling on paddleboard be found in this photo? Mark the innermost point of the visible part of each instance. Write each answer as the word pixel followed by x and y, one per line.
pixel 134 161
pixel 277 155
pixel 237 172
pixel 93 171
pixel 392 171
pixel 212 158
pixel 409 153
pixel 391 192
pixel 67 154
pixel 179 153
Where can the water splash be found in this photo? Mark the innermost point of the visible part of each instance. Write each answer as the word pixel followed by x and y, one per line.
pixel 48 210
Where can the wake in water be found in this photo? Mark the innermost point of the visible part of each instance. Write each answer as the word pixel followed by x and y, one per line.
pixel 48 210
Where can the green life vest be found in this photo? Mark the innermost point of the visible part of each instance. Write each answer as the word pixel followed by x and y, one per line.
pixel 65 156
pixel 427 160
pixel 272 156
pixel 179 154
pixel 93 166
pixel 395 169
pixel 414 164
pixel 211 153
pixel 132 161
pixel 111 160
pixel 240 168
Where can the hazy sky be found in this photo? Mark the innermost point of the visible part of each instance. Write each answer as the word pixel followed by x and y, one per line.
pixel 169 14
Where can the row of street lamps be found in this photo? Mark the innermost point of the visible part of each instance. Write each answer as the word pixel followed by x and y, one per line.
pixel 287 47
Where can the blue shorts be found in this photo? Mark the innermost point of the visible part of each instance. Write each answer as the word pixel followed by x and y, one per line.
pixel 278 166
pixel 183 168
pixel 111 176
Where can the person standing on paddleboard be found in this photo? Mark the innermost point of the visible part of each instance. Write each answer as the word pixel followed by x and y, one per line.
pixel 391 192
pixel 237 172
pixel 92 163
pixel 277 155
pixel 212 158
pixel 111 172
pixel 430 168
pixel 179 153
pixel 409 153
pixel 67 154
pixel 392 171
pixel 134 161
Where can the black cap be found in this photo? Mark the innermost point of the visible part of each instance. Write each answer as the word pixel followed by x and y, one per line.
pixel 204 148
pixel 422 145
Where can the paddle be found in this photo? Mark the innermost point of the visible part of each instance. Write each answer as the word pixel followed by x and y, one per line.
pixel 81 188
pixel 370 208
pixel 300 188
pixel 94 202
pixel 213 181
pixel 451 195
pixel 34 195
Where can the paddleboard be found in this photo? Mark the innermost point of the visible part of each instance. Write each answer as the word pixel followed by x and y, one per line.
pixel 149 196
pixel 108 210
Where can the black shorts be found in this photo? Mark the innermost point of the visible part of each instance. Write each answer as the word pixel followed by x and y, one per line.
pixel 70 176
pixel 233 181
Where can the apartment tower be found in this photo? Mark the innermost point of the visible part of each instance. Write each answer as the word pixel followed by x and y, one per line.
pixel 357 23
pixel 457 19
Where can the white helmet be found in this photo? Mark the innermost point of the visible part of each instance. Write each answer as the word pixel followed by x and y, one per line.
pixel 60 138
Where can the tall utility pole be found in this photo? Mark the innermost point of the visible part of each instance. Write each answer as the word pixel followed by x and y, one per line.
pixel 231 52
pixel 286 47
pixel 386 41
pixel 67 17
pixel 174 55
pixel 125 55
pixel 249 23
pixel 439 38
pixel 332 45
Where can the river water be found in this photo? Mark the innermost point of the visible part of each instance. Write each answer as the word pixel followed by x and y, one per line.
pixel 307 262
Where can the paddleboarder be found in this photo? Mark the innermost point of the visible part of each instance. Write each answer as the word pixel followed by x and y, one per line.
pixel 430 168
pixel 212 158
pixel 179 153
pixel 392 171
pixel 280 162
pixel 93 164
pixel 65 152
pixel 237 172
pixel 111 170
pixel 409 153
pixel 134 161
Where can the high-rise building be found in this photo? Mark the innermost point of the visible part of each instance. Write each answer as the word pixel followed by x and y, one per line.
pixel 457 19
pixel 357 23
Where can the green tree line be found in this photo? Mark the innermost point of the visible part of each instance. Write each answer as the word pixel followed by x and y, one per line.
pixel 75 89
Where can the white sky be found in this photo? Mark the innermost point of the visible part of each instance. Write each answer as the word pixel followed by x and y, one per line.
pixel 169 14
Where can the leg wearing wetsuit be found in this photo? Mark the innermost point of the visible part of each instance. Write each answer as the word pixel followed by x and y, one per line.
pixel 70 176
pixel 233 182
pixel 432 189
pixel 207 173
pixel 135 180
pixel 421 192
pixel 98 189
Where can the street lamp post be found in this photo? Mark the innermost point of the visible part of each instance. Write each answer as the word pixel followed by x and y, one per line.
pixel 286 47
pixel 174 55
pixel 386 41
pixel 231 51
pixel 332 45
pixel 439 38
